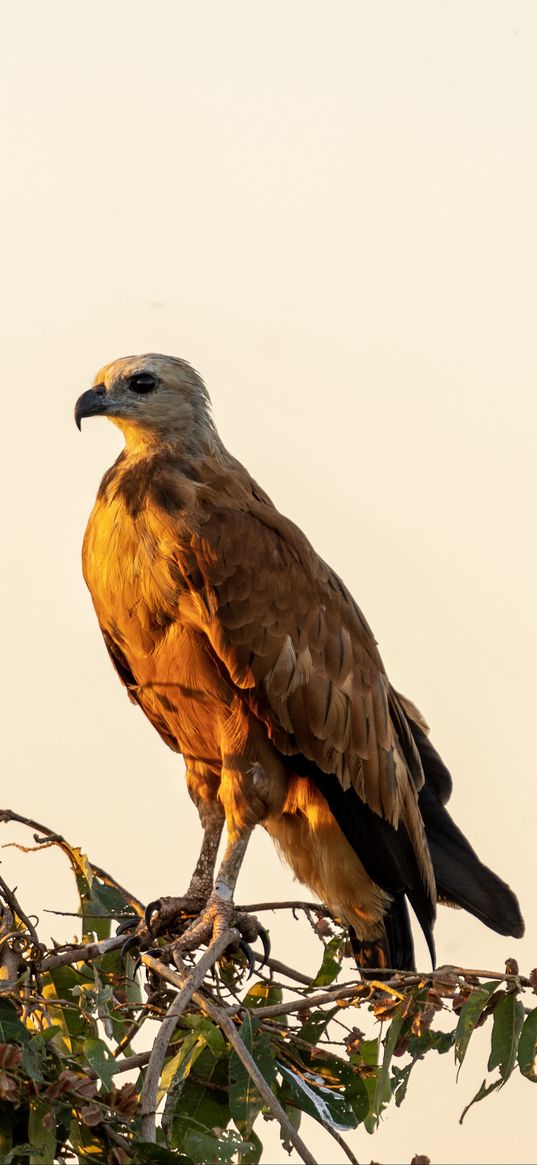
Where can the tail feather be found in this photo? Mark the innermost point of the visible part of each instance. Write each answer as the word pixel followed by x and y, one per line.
pixel 394 949
pixel 461 878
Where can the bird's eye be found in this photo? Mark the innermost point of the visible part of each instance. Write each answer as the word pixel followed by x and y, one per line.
pixel 143 382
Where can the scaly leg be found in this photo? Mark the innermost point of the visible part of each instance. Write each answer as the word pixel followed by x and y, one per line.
pixel 201 884
pixel 220 913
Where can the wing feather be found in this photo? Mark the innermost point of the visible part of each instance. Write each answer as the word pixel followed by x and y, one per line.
pixel 291 636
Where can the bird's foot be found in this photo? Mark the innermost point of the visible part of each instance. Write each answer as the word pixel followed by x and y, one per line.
pixel 198 922
pixel 221 914
pixel 163 916
pixel 166 915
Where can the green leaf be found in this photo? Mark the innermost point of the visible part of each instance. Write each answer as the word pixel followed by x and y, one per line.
pixel 294 1116
pixel 112 900
pixel 331 964
pixel 508 1020
pixel 147 1154
pixel 317 1098
pixel 485 1090
pixel 383 1089
pixel 368 1054
pixel 469 1015
pixel 211 1033
pixel 31 1061
pixel 179 1066
pixel 527 1047
pixel 11 1028
pixel 62 1008
pixel 86 1143
pixel 400 1078
pixel 262 995
pixel 204 1100
pixel 431 1040
pixel 250 1151
pixel 315 1025
pixel 45 1036
pixel 245 1101
pixel 203 1146
pixel 99 1058
pixel 42 1132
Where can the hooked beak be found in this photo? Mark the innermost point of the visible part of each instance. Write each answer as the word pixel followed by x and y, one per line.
pixel 92 403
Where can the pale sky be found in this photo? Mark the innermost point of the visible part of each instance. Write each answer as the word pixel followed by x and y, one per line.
pixel 330 211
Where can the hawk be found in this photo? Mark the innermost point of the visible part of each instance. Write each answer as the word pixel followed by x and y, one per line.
pixel 251 658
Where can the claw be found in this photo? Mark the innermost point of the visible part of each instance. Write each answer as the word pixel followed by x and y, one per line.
pixel 265 939
pixel 132 941
pixel 248 952
pixel 128 923
pixel 149 911
pixel 155 954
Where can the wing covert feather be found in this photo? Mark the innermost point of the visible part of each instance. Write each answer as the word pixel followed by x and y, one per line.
pixel 292 637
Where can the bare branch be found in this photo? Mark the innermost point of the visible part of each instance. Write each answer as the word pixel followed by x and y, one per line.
pixel 275 965
pixel 338 1138
pixel 303 1004
pixel 188 985
pixel 82 953
pixel 317 907
pixel 7 815
pixel 9 897
pixel 223 1020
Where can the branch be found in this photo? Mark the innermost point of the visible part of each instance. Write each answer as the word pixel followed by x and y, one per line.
pixel 7 815
pixel 275 965
pixel 303 1004
pixel 228 1027
pixel 188 985
pixel 337 1137
pixel 9 897
pixel 81 954
pixel 317 907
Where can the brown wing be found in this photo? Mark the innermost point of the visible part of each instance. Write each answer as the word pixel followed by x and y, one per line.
pixel 291 636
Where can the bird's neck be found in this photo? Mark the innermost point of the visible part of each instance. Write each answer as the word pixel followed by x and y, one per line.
pixel 201 441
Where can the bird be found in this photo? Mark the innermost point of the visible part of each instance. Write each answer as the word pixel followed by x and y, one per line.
pixel 251 658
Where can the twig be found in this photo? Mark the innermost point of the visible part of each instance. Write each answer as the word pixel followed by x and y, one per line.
pixel 188 985
pixel 275 965
pixel 255 907
pixel 228 1027
pixel 333 1133
pixel 10 898
pixel 8 815
pixel 115 917
pixel 303 1004
pixel 130 1062
pixel 81 954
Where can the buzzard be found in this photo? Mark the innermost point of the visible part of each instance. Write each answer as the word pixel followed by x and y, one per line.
pixel 251 658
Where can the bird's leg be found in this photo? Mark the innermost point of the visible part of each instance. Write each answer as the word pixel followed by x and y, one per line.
pixel 201 883
pixel 220 912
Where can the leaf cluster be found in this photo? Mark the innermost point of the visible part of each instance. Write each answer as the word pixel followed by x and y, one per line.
pixel 78 1027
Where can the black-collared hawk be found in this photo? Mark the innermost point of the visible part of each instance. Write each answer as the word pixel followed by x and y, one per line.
pixel 251 658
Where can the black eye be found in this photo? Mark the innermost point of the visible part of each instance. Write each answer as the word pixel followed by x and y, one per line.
pixel 143 382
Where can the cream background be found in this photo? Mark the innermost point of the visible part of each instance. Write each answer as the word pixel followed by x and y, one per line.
pixel 329 210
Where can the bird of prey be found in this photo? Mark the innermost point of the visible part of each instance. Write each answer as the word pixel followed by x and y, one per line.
pixel 251 658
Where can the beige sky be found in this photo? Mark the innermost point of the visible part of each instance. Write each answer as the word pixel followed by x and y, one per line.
pixel 329 210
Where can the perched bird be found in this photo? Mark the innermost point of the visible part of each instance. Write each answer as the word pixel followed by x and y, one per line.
pixel 251 658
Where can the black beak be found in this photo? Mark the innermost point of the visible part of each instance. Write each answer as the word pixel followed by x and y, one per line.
pixel 92 403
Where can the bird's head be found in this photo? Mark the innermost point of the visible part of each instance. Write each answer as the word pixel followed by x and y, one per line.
pixel 153 399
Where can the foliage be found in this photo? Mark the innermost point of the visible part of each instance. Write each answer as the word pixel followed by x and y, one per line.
pixel 72 1017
